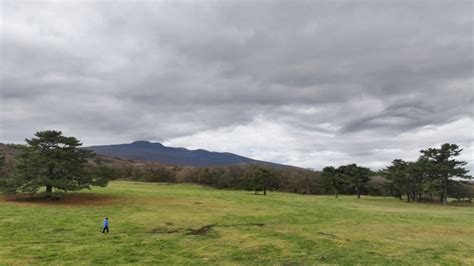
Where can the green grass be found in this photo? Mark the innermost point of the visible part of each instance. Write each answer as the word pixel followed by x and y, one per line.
pixel 150 224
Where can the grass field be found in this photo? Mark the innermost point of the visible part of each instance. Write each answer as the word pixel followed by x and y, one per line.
pixel 190 224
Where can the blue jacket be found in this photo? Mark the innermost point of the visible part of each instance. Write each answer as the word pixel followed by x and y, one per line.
pixel 106 223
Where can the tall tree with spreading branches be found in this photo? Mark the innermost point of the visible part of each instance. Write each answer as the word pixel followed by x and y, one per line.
pixel 333 179
pixel 443 166
pixel 52 161
pixel 263 180
pixel 356 176
pixel 406 178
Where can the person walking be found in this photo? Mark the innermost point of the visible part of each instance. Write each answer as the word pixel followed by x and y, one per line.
pixel 106 225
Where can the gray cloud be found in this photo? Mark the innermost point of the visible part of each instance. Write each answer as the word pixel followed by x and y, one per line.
pixel 302 82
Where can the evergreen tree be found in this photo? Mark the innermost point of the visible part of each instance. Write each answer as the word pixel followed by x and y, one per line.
pixel 442 166
pixel 333 180
pixel 356 176
pixel 396 174
pixel 406 178
pixel 2 165
pixel 52 160
pixel 3 174
pixel 420 179
pixel 263 180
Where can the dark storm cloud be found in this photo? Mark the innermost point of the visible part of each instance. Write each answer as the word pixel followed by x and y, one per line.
pixel 302 82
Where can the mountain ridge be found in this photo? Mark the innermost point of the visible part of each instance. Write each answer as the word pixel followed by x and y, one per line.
pixel 143 150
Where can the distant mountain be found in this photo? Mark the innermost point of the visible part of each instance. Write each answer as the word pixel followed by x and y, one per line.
pixel 157 152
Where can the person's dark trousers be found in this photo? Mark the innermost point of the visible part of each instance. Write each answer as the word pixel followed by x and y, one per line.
pixel 105 228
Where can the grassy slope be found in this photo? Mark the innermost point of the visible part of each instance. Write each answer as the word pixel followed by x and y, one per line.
pixel 298 229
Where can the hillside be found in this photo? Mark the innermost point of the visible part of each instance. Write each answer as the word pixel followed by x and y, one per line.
pixel 157 152
pixel 239 176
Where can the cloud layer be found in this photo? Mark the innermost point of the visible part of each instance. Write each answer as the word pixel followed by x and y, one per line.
pixel 304 83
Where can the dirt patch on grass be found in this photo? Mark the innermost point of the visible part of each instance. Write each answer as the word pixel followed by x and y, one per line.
pixel 63 199
pixel 326 234
pixel 164 230
pixel 236 225
pixel 251 224
pixel 58 230
pixel 201 231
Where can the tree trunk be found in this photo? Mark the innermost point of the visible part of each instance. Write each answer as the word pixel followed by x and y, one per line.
pixel 408 197
pixel 265 188
pixel 445 193
pixel 335 193
pixel 49 189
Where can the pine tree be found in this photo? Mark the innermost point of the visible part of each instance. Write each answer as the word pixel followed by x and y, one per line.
pixel 333 179
pixel 356 176
pixel 262 180
pixel 406 178
pixel 396 174
pixel 2 165
pixel 51 160
pixel 443 167
pixel 3 175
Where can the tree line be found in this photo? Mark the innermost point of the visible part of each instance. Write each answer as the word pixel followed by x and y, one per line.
pixel 435 173
pixel 52 161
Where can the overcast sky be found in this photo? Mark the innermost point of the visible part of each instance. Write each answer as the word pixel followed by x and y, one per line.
pixel 307 83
